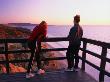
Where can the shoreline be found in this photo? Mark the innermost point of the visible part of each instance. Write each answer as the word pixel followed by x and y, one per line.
pixel 58 64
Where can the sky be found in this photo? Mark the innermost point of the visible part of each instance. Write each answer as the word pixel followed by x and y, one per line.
pixel 57 12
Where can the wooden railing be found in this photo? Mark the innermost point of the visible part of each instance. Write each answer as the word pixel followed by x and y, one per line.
pixel 84 50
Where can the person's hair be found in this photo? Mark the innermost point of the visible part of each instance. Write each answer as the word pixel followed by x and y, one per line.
pixel 43 25
pixel 42 22
pixel 77 18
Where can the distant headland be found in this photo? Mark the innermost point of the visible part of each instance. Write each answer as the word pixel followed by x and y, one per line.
pixel 22 24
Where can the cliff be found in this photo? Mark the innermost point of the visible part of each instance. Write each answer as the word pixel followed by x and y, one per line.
pixel 17 32
pixel 21 24
pixel 13 32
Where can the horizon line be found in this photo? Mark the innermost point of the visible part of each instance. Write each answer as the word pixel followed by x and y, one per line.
pixel 51 24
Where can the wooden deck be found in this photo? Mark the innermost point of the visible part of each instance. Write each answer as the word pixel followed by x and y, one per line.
pixel 53 76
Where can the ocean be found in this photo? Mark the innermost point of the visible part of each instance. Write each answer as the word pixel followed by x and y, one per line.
pixel 95 32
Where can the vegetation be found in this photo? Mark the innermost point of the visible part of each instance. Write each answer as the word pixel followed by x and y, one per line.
pixel 13 32
pixel 18 32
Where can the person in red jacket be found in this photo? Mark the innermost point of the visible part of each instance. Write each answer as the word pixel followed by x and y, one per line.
pixel 38 34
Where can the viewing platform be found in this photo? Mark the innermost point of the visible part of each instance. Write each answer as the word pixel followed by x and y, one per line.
pixel 53 76
pixel 58 75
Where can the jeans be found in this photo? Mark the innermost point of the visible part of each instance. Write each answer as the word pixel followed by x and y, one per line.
pixel 72 55
pixel 32 46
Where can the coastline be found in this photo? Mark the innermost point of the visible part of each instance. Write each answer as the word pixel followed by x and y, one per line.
pixel 54 64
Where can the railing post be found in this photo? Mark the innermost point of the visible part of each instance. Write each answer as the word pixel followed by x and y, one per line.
pixel 84 55
pixel 6 56
pixel 102 64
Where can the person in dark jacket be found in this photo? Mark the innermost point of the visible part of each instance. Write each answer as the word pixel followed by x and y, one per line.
pixel 38 34
pixel 74 37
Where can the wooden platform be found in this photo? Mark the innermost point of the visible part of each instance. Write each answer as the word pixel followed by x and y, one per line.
pixel 53 76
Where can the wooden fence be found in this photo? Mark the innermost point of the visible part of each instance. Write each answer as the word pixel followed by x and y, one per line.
pixel 84 50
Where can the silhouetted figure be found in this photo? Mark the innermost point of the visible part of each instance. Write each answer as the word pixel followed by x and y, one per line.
pixel 74 37
pixel 38 34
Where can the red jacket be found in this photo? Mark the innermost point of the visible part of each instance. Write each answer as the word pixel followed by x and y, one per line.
pixel 38 33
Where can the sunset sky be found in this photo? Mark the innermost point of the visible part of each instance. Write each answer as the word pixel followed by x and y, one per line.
pixel 60 12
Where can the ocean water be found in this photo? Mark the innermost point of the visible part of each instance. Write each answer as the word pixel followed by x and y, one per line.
pixel 95 32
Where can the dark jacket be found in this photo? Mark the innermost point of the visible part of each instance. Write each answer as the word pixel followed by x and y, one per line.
pixel 75 34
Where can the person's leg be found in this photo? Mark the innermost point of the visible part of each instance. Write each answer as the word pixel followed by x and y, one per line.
pixel 76 56
pixel 70 57
pixel 38 59
pixel 31 45
pixel 30 61
pixel 29 74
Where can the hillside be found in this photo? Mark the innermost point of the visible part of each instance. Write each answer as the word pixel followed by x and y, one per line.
pixel 13 32
pixel 18 32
